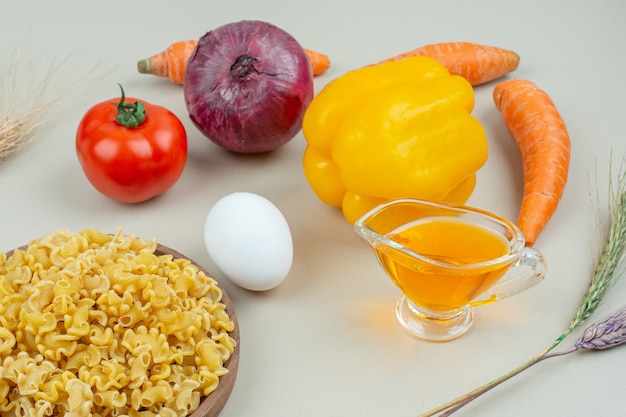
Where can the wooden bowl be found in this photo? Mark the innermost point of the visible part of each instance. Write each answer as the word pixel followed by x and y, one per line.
pixel 213 404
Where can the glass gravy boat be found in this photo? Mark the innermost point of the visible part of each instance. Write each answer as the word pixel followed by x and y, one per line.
pixel 447 259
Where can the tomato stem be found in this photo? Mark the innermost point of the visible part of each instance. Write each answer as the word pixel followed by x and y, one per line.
pixel 130 115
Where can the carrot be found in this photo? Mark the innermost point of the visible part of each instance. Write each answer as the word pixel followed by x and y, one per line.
pixel 319 62
pixel 541 136
pixel 476 63
pixel 172 62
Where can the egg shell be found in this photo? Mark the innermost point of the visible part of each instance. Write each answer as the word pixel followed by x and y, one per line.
pixel 249 240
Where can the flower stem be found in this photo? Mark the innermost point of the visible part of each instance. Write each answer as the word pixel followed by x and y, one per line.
pixel 459 402
pixel 605 274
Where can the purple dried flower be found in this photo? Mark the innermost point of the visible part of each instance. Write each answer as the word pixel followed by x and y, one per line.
pixel 606 333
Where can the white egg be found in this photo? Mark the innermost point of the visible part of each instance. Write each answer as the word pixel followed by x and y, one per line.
pixel 249 240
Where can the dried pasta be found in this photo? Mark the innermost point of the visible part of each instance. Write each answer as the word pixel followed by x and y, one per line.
pixel 100 325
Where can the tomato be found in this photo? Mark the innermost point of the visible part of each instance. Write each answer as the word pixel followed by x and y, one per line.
pixel 131 152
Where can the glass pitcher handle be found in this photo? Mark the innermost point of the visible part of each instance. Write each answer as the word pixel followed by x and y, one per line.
pixel 528 271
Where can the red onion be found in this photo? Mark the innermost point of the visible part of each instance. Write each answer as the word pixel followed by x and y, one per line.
pixel 247 86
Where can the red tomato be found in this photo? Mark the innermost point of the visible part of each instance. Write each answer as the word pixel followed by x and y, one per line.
pixel 131 164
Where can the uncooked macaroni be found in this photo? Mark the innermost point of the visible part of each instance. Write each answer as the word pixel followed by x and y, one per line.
pixel 99 325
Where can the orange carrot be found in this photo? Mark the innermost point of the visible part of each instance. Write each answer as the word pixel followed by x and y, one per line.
pixel 319 62
pixel 541 136
pixel 169 63
pixel 476 63
pixel 172 62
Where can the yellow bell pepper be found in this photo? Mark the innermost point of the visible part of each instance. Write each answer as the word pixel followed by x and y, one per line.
pixel 398 129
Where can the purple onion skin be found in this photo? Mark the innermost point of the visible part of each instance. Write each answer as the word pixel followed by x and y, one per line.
pixel 247 86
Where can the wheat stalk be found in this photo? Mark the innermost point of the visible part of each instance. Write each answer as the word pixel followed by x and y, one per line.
pixel 29 98
pixel 605 275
